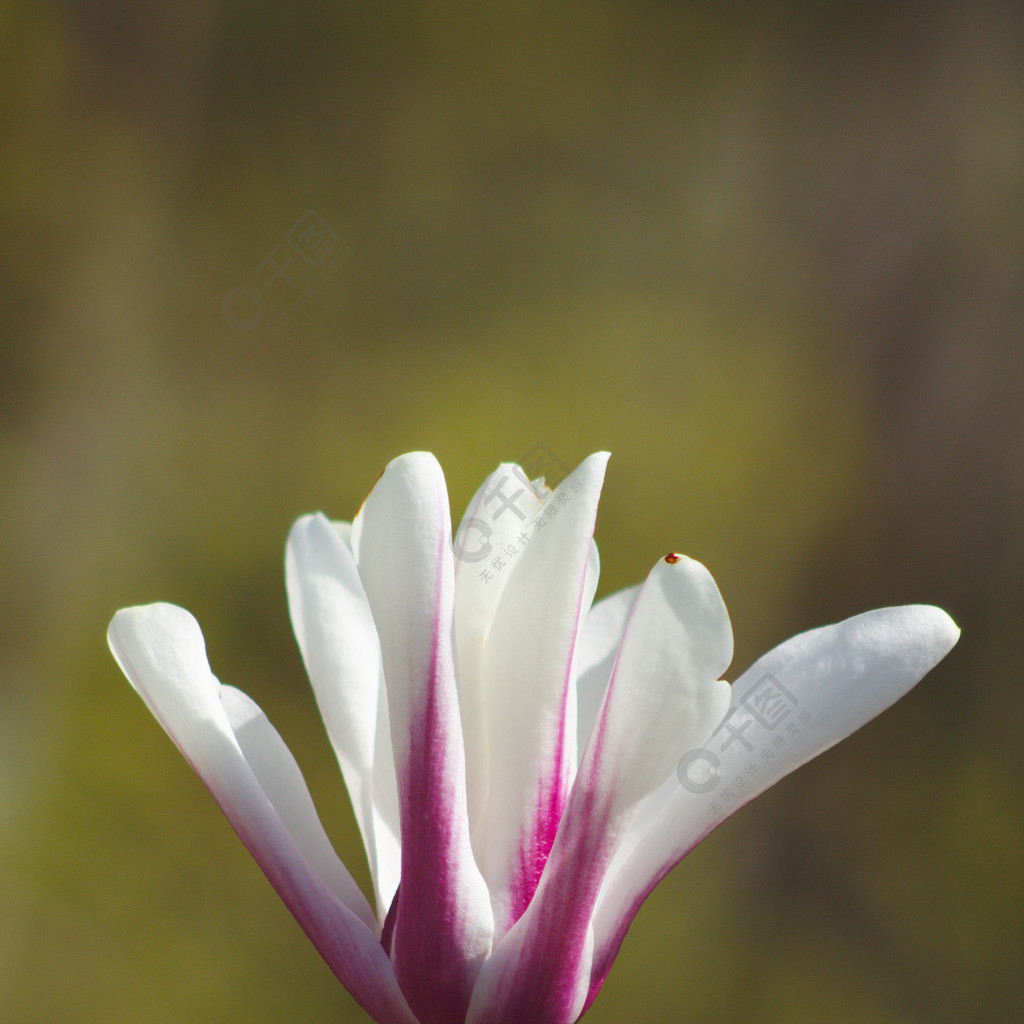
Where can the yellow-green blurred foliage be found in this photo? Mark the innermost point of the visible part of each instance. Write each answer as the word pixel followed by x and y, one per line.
pixel 769 255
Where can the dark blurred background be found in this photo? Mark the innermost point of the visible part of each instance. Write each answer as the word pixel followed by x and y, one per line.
pixel 768 254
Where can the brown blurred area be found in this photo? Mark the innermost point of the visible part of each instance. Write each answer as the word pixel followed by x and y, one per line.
pixel 769 255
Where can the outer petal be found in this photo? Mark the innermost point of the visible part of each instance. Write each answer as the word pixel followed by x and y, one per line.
pixel 442 931
pixel 792 704
pixel 338 639
pixel 257 784
pixel 664 694
pixel 528 685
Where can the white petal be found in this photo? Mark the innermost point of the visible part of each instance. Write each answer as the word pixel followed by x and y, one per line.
pixel 402 542
pixel 665 689
pixel 257 785
pixel 792 704
pixel 664 695
pixel 338 639
pixel 487 547
pixel 281 780
pixel 529 691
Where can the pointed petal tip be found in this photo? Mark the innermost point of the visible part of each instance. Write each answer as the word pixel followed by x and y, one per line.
pixel 952 628
pixel 938 627
pixel 925 628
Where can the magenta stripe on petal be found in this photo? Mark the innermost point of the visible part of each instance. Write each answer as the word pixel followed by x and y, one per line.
pixel 529 693
pixel 428 961
pixel 162 652
pixel 839 677
pixel 442 922
pixel 335 932
pixel 552 795
pixel 540 970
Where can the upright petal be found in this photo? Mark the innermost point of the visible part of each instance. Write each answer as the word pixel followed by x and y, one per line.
pixel 664 695
pixel 795 702
pixel 255 781
pixel 442 931
pixel 335 630
pixel 528 688
pixel 490 538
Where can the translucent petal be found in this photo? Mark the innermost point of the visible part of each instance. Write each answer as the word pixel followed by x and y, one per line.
pixel 335 630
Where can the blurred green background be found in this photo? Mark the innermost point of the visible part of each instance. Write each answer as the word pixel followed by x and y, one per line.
pixel 769 255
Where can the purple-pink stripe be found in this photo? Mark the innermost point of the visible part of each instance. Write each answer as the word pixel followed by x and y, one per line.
pixel 427 947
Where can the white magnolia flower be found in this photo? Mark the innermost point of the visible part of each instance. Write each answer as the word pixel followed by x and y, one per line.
pixel 524 767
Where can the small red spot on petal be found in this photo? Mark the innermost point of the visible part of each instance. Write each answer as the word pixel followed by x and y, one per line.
pixel 672 558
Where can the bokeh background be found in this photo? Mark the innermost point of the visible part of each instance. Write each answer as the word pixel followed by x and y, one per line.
pixel 767 254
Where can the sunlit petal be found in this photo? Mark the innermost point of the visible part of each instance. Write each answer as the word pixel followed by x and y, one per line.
pixel 529 691
pixel 793 703
pixel 257 785
pixel 663 697
pixel 524 767
pixel 402 543
pixel 336 633
pixel 498 518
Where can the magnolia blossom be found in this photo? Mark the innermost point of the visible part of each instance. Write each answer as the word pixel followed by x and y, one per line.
pixel 524 765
